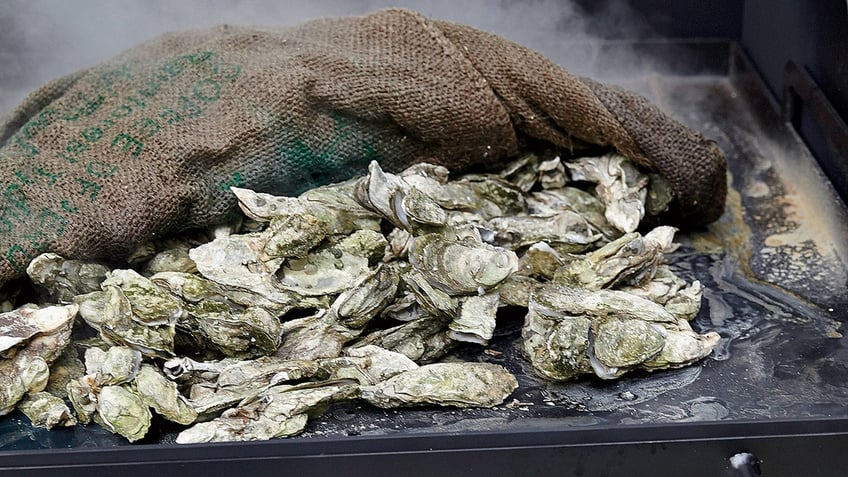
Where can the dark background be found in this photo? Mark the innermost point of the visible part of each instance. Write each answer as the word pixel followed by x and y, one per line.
pixel 813 34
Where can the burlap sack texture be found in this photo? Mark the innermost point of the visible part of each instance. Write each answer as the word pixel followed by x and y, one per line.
pixel 148 143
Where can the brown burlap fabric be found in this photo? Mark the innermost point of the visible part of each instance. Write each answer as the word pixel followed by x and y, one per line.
pixel 148 143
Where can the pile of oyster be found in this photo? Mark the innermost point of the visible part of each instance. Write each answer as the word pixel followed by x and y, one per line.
pixel 356 290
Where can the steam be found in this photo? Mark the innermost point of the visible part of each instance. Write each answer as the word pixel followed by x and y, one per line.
pixel 44 39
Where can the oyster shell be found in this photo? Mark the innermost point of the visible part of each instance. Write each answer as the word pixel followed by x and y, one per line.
pixel 331 269
pixel 432 299
pixel 475 322
pixel 65 278
pixel 92 307
pixel 235 262
pixel 248 333
pixel 444 384
pixel 82 393
pixel 522 172
pixel 118 365
pixel 312 337
pixel 686 303
pixel 422 340
pixel 275 412
pixel 66 368
pixel 20 325
pixel 542 260
pixel 517 289
pixel 556 343
pixel 566 230
pixel 123 412
pixel 661 288
pixel 366 365
pixel 161 394
pixel 621 344
pixel 550 202
pixel 333 206
pixel 601 303
pixel 174 259
pixel 366 298
pixel 682 348
pixel 149 305
pixel 19 376
pixel 227 382
pixel 46 410
pixel 630 260
pixel 552 174
pixel 569 332
pixel 620 186
pixel 461 267
pixel 24 368
pixel 119 328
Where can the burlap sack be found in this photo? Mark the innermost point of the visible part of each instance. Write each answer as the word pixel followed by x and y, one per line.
pixel 148 143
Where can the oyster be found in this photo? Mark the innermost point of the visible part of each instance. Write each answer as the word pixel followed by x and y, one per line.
pixel 566 230
pixel 552 174
pixel 569 332
pixel 66 368
pixel 333 206
pixel 620 186
pixel 541 260
pixel 19 376
pixel 161 394
pixel 119 328
pixel 430 298
pixel 366 365
pixel 664 285
pixel 401 204
pixel 24 367
pixel 20 325
pixel 235 263
pixel 275 412
pixel 682 348
pixel 522 172
pixel 475 322
pixel 123 412
pixel 629 260
pixel 517 289
pixel 686 303
pixel 227 382
pixel 92 307
pixel 149 305
pixel 332 268
pixel 47 410
pixel 444 384
pixel 248 333
pixel 118 365
pixel 461 267
pixel 63 278
pixel 556 343
pixel 312 337
pixel 82 393
pixel 619 344
pixel 601 303
pixel 365 298
pixel 174 259
pixel 547 203
pixel 422 340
